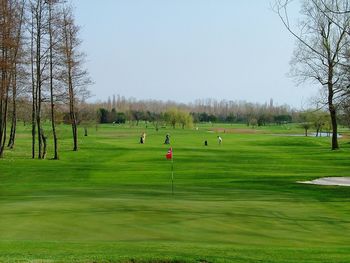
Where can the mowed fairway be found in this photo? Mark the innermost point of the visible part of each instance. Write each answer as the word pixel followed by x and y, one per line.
pixel 238 202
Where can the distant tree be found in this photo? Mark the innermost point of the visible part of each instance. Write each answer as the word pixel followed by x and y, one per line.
pixel 171 116
pixel 231 118
pixel 306 120
pixel 204 117
pixel 262 119
pixel 120 118
pixel 185 119
pixel 282 119
pixel 137 116
pixel 306 126
pixel 253 122
pixel 87 117
pixel 346 112
pixel 195 117
pixel 112 116
pixel 212 118
pixel 103 115
pixel 319 120
pixel 24 111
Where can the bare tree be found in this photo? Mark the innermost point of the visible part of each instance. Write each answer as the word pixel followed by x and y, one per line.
pixel 323 42
pixel 5 69
pixel 39 62
pixel 19 16
pixel 10 34
pixel 48 47
pixel 33 93
pixel 52 44
pixel 74 76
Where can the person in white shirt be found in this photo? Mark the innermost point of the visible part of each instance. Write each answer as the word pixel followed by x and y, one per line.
pixel 219 140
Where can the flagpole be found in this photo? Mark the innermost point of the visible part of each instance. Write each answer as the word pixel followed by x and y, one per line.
pixel 172 175
pixel 169 156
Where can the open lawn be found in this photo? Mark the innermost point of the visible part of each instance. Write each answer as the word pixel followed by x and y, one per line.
pixel 238 202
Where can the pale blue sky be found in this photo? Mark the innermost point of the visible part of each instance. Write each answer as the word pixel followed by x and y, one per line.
pixel 184 50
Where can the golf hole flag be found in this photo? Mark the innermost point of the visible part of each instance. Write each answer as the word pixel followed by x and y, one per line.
pixel 169 155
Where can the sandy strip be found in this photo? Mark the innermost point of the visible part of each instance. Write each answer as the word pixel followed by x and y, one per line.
pixel 340 181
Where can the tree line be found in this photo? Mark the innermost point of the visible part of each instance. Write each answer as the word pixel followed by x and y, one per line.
pixel 121 110
pixel 134 111
pixel 42 69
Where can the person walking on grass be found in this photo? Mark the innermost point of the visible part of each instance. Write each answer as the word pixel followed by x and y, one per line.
pixel 219 140
pixel 143 138
pixel 167 139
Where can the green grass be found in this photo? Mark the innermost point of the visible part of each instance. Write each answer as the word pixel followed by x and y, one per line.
pixel 238 202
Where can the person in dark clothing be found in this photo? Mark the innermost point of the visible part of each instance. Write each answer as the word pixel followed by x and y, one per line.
pixel 167 139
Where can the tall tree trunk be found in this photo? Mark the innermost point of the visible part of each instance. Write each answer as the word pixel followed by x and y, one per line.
pixel 38 76
pixel 52 104
pixel 44 139
pixel 332 109
pixel 333 114
pixel 33 89
pixel 2 103
pixel 11 142
pixel 72 109
pixel 71 90
pixel 5 68
pixel 4 96
pixel 74 127
pixel 3 113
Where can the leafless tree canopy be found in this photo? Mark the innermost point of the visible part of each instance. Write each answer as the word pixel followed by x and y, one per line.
pixel 41 62
pixel 322 50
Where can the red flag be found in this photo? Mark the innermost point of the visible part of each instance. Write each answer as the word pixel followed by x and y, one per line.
pixel 169 155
